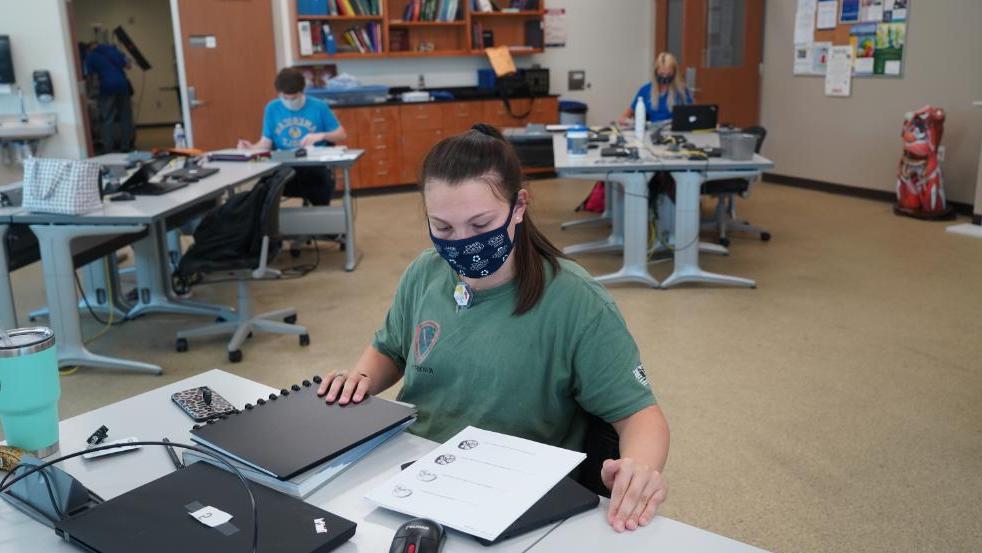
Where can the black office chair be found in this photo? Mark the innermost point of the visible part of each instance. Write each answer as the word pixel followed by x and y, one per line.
pixel 724 218
pixel 600 443
pixel 237 240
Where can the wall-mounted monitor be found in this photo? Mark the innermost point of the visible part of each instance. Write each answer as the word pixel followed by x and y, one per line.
pixel 6 61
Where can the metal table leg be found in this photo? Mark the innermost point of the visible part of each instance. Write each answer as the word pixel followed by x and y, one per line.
pixel 350 252
pixel 59 288
pixel 153 281
pixel 634 225
pixel 603 218
pixel 97 283
pixel 8 312
pixel 687 189
pixel 614 242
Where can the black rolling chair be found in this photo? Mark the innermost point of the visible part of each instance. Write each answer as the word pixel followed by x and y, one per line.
pixel 237 240
pixel 600 443
pixel 724 218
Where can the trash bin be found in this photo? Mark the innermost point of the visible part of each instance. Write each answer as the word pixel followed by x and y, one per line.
pixel 572 112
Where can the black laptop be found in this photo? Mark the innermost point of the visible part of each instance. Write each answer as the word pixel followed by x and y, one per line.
pixel 155 518
pixel 695 117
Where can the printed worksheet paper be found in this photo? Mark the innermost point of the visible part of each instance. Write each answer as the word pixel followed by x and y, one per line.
pixel 478 482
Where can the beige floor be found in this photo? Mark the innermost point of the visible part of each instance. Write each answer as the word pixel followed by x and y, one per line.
pixel 838 407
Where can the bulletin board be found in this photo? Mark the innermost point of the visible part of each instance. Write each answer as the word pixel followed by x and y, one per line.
pixel 875 29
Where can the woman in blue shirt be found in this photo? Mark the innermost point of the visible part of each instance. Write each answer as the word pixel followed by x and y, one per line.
pixel 667 91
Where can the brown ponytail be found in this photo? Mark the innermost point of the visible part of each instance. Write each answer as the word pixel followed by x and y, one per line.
pixel 483 153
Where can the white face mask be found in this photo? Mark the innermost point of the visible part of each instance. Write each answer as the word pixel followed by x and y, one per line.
pixel 293 104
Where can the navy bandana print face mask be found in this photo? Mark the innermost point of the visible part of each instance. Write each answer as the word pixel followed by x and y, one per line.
pixel 478 256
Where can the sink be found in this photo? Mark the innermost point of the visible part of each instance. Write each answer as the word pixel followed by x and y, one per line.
pixel 38 125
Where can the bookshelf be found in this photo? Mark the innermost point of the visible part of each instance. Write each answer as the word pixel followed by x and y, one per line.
pixel 427 34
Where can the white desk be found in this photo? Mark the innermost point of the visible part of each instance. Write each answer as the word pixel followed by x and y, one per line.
pixel 326 219
pixel 145 213
pixel 630 204
pixel 152 415
pixel 662 535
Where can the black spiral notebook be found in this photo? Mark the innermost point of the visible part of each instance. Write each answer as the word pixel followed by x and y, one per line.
pixel 155 518
pixel 293 431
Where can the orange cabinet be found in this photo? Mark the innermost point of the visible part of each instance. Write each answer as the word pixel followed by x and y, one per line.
pixel 423 116
pixel 415 146
pixel 396 138
pixel 458 117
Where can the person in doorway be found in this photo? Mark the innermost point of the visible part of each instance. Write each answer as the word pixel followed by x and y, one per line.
pixel 295 120
pixel 661 95
pixel 108 64
pixel 494 327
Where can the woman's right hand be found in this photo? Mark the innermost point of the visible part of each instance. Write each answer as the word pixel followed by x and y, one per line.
pixel 345 387
pixel 244 144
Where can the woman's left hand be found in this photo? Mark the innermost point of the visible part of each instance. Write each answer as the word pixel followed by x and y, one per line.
pixel 636 491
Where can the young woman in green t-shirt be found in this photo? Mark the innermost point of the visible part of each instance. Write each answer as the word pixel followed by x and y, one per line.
pixel 494 327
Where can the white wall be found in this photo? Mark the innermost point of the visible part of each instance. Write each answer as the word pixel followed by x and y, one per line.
pixel 855 141
pixel 148 22
pixel 40 39
pixel 613 46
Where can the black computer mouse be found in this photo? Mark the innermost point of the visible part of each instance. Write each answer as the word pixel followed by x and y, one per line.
pixel 419 535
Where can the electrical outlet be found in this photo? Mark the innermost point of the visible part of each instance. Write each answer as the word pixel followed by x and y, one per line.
pixel 941 152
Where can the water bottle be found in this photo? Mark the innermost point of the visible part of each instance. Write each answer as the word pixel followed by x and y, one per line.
pixel 640 118
pixel 180 139
pixel 29 389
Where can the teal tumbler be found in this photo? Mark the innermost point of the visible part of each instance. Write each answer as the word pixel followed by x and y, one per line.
pixel 29 389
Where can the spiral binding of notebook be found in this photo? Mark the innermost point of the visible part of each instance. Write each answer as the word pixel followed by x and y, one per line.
pixel 290 432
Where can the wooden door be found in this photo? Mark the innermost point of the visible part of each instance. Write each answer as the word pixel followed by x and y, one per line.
pixel 230 65
pixel 719 44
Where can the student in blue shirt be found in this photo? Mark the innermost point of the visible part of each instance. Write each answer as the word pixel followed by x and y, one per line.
pixel 106 62
pixel 294 120
pixel 667 91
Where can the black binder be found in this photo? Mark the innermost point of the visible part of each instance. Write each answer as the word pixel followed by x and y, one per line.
pixel 291 432
pixel 154 518
pixel 565 499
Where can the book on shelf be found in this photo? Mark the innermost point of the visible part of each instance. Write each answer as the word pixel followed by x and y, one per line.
pixel 477 34
pixel 533 33
pixel 306 45
pixel 330 43
pixel 399 40
pixel 317 38
pixel 312 7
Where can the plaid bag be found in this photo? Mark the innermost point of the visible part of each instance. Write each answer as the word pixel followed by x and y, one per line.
pixel 64 186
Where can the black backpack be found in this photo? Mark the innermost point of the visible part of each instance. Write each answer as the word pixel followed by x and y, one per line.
pixel 230 236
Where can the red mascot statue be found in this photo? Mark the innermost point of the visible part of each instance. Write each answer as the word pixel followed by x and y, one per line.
pixel 920 186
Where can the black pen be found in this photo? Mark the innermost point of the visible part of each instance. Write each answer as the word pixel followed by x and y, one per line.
pixel 173 455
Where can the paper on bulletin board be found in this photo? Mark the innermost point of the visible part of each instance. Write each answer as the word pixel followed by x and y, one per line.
pixel 828 13
pixel 804 22
pixel 895 10
pixel 838 75
pixel 871 10
pixel 820 57
pixel 849 12
pixel 554 23
pixel 862 38
pixel 803 59
pixel 889 52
